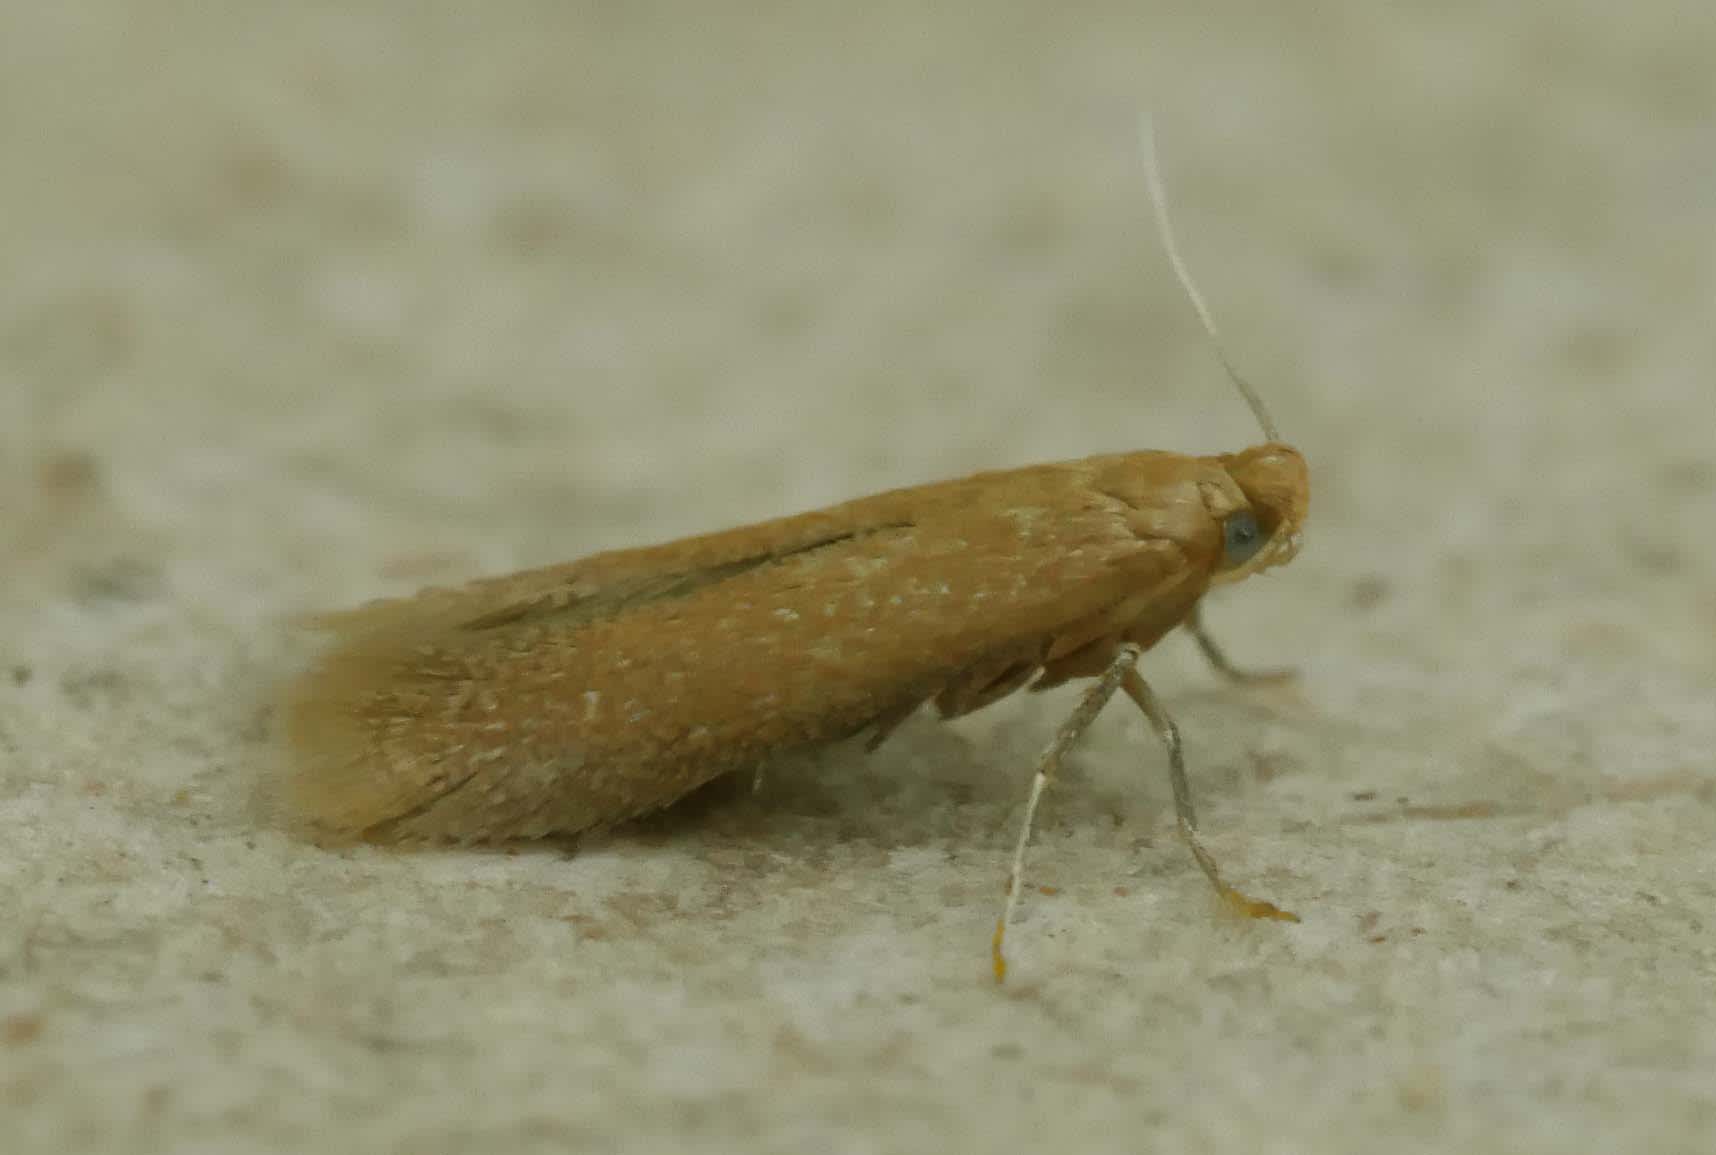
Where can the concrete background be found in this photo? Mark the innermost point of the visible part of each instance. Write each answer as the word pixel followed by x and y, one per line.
pixel 306 304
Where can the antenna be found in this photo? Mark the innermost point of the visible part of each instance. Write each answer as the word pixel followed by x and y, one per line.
pixel 1159 202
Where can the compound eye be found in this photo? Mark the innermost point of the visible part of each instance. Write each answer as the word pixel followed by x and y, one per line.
pixel 1242 537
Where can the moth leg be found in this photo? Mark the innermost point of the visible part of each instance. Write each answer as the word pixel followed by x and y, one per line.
pixel 1140 692
pixel 1218 657
pixel 1048 762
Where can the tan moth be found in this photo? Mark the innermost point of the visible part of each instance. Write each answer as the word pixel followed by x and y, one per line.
pixel 579 695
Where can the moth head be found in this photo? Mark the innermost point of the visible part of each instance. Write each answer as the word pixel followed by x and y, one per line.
pixel 1264 531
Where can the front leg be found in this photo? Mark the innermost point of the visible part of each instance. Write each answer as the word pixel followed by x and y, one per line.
pixel 1140 692
pixel 1123 663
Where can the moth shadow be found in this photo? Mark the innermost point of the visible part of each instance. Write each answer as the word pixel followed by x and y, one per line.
pixel 927 783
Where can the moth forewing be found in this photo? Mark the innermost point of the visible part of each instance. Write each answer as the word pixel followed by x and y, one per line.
pixel 584 694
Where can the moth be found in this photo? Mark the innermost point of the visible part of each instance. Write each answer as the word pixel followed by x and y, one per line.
pixel 580 695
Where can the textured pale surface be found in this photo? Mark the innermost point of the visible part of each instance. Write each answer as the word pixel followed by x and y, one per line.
pixel 304 307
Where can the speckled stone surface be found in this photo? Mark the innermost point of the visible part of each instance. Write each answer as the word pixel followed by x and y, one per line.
pixel 303 305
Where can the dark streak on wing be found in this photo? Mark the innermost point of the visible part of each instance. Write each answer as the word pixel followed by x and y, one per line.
pixel 620 597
